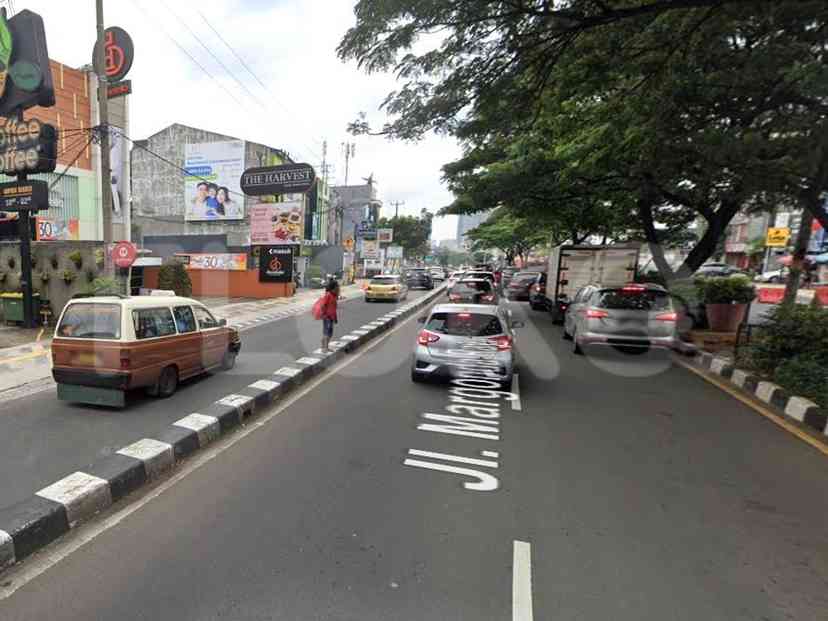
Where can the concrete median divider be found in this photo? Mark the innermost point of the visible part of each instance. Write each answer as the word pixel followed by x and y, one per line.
pixel 33 524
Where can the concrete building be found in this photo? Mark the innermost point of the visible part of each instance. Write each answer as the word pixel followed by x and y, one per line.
pixel 466 223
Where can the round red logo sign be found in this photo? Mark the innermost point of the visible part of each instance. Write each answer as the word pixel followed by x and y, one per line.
pixel 124 254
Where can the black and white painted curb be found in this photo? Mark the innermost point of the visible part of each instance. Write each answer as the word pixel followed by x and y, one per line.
pixel 34 523
pixel 796 408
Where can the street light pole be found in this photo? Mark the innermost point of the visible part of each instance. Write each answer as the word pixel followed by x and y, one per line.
pixel 103 109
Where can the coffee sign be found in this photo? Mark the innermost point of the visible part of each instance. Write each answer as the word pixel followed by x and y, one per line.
pixel 285 179
pixel 27 147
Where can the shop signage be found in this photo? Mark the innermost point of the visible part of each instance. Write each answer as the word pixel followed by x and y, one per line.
pixel 285 179
pixel 349 244
pixel 119 52
pixel 385 236
pixel 778 237
pixel 367 230
pixel 394 252
pixel 27 147
pixel 277 223
pixel 24 195
pixel 25 75
pixel 230 262
pixel 119 88
pixel 276 264
pixel 124 254
pixel 370 249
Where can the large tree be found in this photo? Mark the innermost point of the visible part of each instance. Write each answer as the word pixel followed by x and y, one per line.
pixel 412 233
pixel 514 235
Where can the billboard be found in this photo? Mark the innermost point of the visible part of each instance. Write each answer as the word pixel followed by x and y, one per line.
pixel 385 236
pixel 276 264
pixel 211 187
pixel 370 249
pixel 117 169
pixel 277 223
pixel 220 261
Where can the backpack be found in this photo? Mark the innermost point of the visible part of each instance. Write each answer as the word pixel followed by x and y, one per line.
pixel 319 307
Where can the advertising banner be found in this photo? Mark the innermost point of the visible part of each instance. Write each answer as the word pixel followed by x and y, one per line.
pixel 385 236
pixel 233 262
pixel 211 189
pixel 778 237
pixel 276 263
pixel 394 252
pixel 117 164
pixel 370 249
pixel 277 223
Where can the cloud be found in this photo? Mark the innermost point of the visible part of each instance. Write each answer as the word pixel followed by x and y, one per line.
pixel 291 47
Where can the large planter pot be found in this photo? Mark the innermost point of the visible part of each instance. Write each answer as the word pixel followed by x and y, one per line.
pixel 725 317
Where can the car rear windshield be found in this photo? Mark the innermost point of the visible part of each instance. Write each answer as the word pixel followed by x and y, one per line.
pixel 91 321
pixel 484 275
pixel 483 286
pixel 384 280
pixel 633 299
pixel 464 324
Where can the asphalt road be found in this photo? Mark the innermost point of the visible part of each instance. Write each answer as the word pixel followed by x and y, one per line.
pixel 642 492
pixel 43 439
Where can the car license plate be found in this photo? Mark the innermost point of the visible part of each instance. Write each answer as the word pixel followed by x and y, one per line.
pixel 86 359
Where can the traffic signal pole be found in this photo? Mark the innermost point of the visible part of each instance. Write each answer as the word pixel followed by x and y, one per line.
pixel 103 110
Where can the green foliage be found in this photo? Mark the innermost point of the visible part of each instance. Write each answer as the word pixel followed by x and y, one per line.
pixel 173 276
pixel 103 286
pixel 76 258
pixel 68 276
pixel 730 290
pixel 805 376
pixel 410 232
pixel 512 234
pixel 99 257
pixel 90 275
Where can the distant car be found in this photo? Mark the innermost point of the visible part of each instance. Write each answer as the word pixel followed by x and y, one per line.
pixel 773 276
pixel 386 287
pixel 633 316
pixel 452 328
pixel 488 275
pixel 419 277
pixel 537 294
pixel 453 278
pixel 473 291
pixel 507 273
pixel 520 284
pixel 711 270
pixel 438 274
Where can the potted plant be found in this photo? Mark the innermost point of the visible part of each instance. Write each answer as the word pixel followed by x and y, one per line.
pixel 68 276
pixel 90 275
pixel 99 257
pixel 726 301
pixel 77 258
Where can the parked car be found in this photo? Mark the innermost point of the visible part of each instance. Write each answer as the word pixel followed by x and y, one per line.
pixel 474 291
pixel 633 316
pixel 507 273
pixel 438 274
pixel 537 294
pixel 710 270
pixel 419 277
pixel 520 284
pixel 386 287
pixel 106 346
pixel 451 329
pixel 773 276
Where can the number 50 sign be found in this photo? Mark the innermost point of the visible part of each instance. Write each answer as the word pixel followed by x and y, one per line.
pixel 46 230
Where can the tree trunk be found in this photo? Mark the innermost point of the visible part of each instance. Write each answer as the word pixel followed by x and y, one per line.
pixel 706 246
pixel 803 237
pixel 645 214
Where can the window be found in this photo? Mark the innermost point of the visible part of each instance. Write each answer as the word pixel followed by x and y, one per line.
pixel 151 323
pixel 205 319
pixel 482 286
pixel 464 324
pixel 184 319
pixel 385 280
pixel 643 300
pixel 91 321
pixel 525 277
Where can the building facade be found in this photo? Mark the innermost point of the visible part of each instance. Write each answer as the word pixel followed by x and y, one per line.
pixel 467 222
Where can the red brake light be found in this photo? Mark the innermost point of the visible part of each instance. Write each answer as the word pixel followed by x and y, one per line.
pixel 426 338
pixel 125 359
pixel 667 317
pixel 503 342
pixel 535 288
pixel 594 313
pixel 635 288
pixel 487 298
pixel 454 297
pixel 464 315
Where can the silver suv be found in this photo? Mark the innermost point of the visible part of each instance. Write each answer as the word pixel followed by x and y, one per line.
pixel 466 335
pixel 635 316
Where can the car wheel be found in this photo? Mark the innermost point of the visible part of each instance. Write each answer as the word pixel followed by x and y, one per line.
pixel 576 349
pixel 228 361
pixel 168 382
pixel 773 279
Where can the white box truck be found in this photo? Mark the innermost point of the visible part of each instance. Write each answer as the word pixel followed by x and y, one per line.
pixel 573 267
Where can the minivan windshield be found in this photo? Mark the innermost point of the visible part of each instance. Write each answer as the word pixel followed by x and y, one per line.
pixel 91 321
pixel 464 324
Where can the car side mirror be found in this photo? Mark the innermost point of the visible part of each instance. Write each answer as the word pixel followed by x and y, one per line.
pixel 421 319
pixel 222 323
pixel 518 324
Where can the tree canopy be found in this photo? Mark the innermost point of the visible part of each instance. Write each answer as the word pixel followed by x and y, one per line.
pixel 410 232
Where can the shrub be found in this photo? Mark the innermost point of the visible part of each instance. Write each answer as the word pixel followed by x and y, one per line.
pixel 99 257
pixel 729 290
pixel 174 276
pixel 77 258
pixel 103 286
pixel 90 275
pixel 68 276
pixel 793 331
pixel 805 376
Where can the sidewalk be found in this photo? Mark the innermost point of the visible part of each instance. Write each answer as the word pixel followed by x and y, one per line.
pixel 31 363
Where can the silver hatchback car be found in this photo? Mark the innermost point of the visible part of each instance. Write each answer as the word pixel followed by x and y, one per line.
pixel 456 335
pixel 634 316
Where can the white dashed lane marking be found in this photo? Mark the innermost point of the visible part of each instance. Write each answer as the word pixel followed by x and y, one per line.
pixel 516 404
pixel 522 582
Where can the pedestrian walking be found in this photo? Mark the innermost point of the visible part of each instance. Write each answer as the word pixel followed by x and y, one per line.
pixel 327 312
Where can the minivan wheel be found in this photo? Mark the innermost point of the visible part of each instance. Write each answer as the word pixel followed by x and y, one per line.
pixel 576 349
pixel 168 382
pixel 228 361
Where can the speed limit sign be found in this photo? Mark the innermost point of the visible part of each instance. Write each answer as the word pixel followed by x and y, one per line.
pixel 124 254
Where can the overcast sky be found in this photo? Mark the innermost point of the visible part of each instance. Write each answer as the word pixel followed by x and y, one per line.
pixel 290 46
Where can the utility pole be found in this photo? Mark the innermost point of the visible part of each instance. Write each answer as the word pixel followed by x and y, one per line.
pixel 350 151
pixel 396 205
pixel 103 108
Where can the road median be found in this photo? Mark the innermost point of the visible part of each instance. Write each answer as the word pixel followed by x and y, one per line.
pixel 33 524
